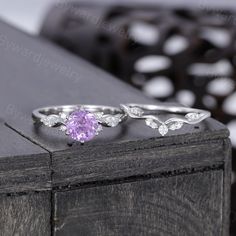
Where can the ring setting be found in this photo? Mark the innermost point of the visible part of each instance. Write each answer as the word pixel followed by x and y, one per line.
pixel 80 122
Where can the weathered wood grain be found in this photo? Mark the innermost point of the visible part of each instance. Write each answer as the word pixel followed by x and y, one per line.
pixel 101 163
pixel 24 169
pixel 25 215
pixel 24 166
pixel 227 188
pixel 180 205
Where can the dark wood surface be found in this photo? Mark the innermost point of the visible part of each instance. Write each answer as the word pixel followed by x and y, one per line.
pixel 24 166
pixel 24 173
pixel 35 73
pixel 25 215
pixel 180 205
pixel 102 164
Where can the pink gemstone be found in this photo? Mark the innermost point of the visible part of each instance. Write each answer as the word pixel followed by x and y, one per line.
pixel 82 126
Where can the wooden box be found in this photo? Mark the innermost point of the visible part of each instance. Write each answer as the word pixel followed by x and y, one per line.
pixel 129 181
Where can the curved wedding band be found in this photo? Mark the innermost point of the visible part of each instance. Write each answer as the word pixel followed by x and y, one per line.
pixel 152 116
pixel 80 122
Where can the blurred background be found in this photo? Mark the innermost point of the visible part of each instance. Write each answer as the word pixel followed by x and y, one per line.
pixel 27 15
pixel 182 51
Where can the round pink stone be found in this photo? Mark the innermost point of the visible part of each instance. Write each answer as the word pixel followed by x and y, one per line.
pixel 82 126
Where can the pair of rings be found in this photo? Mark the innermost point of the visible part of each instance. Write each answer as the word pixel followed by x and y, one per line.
pixel 83 122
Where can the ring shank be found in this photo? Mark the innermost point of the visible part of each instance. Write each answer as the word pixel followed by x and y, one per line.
pixel 174 109
pixel 156 109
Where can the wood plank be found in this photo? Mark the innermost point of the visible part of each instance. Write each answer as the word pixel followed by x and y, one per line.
pixel 101 164
pixel 25 215
pixel 227 187
pixel 180 205
pixel 24 166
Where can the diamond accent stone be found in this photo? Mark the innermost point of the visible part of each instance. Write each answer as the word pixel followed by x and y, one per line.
pixel 192 116
pixel 98 115
pixel 163 129
pixel 112 121
pixel 63 117
pixel 82 126
pixel 62 128
pixel 176 125
pixel 151 123
pixel 50 120
pixel 99 129
pixel 136 111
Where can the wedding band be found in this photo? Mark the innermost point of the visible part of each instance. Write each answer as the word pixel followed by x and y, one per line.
pixel 80 122
pixel 177 116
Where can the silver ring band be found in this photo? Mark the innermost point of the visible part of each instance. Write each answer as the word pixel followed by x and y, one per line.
pixel 81 122
pixel 177 116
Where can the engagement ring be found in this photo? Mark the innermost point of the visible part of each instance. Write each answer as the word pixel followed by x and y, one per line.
pixel 80 122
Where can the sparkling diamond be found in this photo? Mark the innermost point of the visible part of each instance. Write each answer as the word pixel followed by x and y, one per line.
pixel 112 121
pixel 99 129
pixel 63 117
pixel 98 115
pixel 176 125
pixel 136 111
pixel 163 129
pixel 82 126
pixel 63 128
pixel 151 123
pixel 50 120
pixel 192 116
